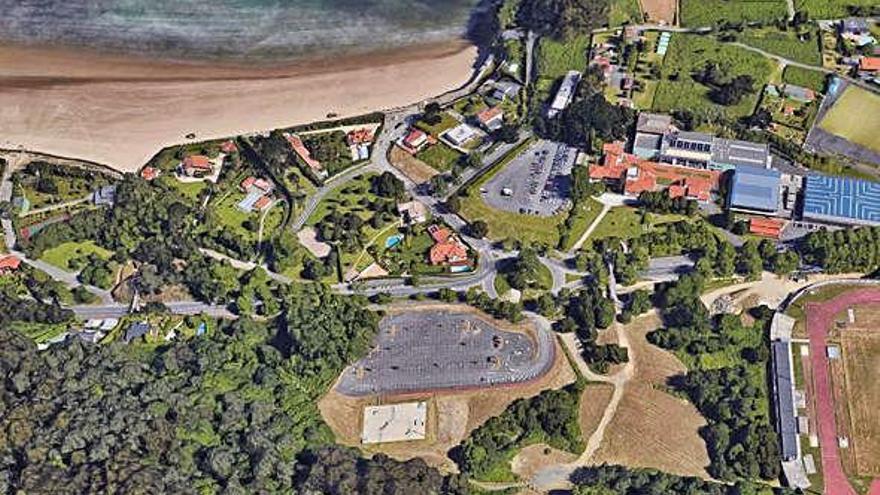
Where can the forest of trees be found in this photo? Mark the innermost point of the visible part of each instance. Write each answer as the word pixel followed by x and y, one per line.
pixel 841 251
pixel 550 417
pixel 228 412
pixel 731 393
pixel 618 480
pixel 585 312
pixel 562 18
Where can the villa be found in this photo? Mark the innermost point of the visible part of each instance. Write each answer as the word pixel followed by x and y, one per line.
pixel 305 155
pixel 412 213
pixel 197 166
pixel 415 141
pixel 9 264
pixel 491 118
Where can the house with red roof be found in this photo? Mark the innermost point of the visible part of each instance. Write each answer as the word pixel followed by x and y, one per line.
pixel 150 173
pixel 228 147
pixel 439 234
pixel 262 203
pixel 305 155
pixel 197 166
pixel 869 64
pixel 359 136
pixel 491 118
pixel 9 264
pixel 415 141
pixel 449 252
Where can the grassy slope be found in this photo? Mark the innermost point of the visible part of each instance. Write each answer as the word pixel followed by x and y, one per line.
pixel 699 13
pixel 690 53
pixel 786 44
pixel 63 254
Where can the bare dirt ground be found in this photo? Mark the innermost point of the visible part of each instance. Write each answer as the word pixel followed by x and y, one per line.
pixel 415 169
pixel 451 416
pixel 660 11
pixel 534 457
pixel 593 402
pixel 861 362
pixel 653 428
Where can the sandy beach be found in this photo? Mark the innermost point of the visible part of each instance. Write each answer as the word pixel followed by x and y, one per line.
pixel 120 111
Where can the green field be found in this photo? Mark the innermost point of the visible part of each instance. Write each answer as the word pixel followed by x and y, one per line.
pixel 699 13
pixel 786 44
pixel 624 11
pixel 555 58
pixel 863 130
pixel 440 157
pixel 830 9
pixel 447 122
pixel 579 220
pixel 690 53
pixel 626 223
pixel 63 254
pixel 799 76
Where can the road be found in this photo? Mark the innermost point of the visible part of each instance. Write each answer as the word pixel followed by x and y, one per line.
pixel 117 310
pixel 668 268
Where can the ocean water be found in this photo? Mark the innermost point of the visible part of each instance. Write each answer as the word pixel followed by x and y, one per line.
pixel 230 29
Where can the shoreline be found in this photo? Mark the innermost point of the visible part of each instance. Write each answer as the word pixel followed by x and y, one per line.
pixel 120 112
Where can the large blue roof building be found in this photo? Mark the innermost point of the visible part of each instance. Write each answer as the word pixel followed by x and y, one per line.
pixel 841 200
pixel 755 189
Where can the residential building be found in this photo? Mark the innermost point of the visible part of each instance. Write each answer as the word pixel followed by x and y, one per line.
pixel 415 140
pixel 439 234
pixel 869 64
pixel 505 90
pixel 565 93
pixel 798 93
pixel 412 213
pixel 359 136
pixel 841 201
pixel 228 147
pixel 450 252
pixel 855 26
pixel 460 134
pixel 491 118
pixel 260 184
pixel 197 166
pixel 305 155
pixel 104 196
pixel 150 173
pixel 136 331
pixel 262 203
pixel 9 264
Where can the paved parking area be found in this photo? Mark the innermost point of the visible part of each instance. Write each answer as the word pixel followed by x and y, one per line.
pixel 537 182
pixel 437 349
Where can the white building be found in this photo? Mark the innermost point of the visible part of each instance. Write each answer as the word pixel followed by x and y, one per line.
pixel 565 94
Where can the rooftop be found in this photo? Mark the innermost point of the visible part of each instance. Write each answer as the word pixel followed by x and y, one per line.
pixel 653 123
pixel 784 389
pixel 755 188
pixel 738 153
pixel 842 200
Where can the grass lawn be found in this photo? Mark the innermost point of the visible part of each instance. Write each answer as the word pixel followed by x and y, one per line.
pixel 345 198
pixel 579 220
pixel 440 157
pixel 699 13
pixel 189 190
pixel 830 9
pixel 625 222
pixel 690 53
pixel 507 225
pixel 623 11
pixel 862 130
pixel 799 76
pixel 227 215
pixel 786 44
pixel 555 58
pixel 62 254
pixel 447 121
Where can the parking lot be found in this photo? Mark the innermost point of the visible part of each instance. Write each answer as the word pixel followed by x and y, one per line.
pixel 537 182
pixel 438 349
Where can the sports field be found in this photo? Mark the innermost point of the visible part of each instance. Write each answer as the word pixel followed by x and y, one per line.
pixel 855 117
pixel 861 357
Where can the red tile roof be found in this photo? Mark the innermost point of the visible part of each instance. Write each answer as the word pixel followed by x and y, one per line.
pixel 150 173
pixel 676 191
pixel 767 227
pixel 870 64
pixel 247 183
pixel 643 179
pixel 228 147
pixel 439 234
pixel 305 155
pixel 450 251
pixel 9 263
pixel 490 113
pixel 198 162
pixel 412 139
pixel 262 203
pixel 360 136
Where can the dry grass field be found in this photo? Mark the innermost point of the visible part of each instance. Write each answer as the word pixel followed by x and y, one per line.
pixel 660 11
pixel 653 428
pixel 415 169
pixel 861 360
pixel 452 415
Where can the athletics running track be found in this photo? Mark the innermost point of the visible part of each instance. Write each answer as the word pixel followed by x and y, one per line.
pixel 820 317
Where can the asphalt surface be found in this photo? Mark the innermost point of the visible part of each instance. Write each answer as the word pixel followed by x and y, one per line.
pixel 436 349
pixel 537 182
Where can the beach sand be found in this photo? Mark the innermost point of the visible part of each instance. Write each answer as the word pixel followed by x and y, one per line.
pixel 120 111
